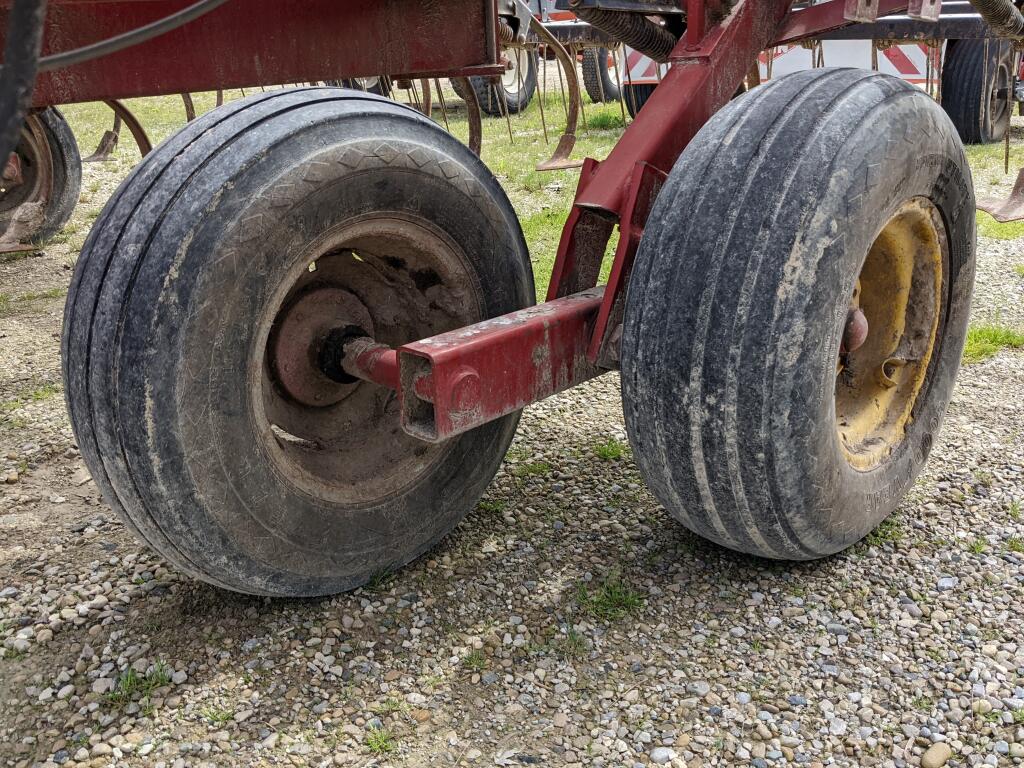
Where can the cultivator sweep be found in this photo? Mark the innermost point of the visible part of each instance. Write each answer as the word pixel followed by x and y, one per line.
pixel 299 336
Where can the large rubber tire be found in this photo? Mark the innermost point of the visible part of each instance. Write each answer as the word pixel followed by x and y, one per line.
pixel 513 93
pixel 600 84
pixel 738 301
pixel 636 96
pixel 62 192
pixel 170 318
pixel 970 88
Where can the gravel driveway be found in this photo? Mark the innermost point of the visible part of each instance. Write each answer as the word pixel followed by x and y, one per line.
pixel 567 621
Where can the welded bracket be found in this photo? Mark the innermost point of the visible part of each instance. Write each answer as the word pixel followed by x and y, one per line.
pixel 459 380
pixel 924 10
pixel 860 10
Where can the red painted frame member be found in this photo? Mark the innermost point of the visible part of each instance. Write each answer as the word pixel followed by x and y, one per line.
pixel 572 336
pixel 261 42
pixel 459 380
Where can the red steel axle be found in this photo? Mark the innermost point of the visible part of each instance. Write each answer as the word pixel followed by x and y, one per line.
pixel 455 381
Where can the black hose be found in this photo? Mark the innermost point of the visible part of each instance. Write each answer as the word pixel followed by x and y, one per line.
pixel 18 74
pixel 633 29
pixel 129 38
pixel 1002 15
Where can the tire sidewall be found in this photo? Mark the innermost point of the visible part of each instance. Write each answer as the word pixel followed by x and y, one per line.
pixel 811 320
pixel 201 306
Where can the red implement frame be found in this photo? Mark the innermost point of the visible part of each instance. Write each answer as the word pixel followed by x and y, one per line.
pixel 459 380
pixel 263 42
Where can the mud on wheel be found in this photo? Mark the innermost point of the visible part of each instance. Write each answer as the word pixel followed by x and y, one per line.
pixel 797 312
pixel 197 384
pixel 41 179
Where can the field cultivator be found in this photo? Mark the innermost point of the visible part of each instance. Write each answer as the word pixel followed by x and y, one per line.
pixel 299 336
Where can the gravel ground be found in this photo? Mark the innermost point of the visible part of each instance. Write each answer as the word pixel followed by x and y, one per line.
pixel 567 621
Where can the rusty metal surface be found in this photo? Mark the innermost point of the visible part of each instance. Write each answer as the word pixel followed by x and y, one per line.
pixel 647 183
pixel 23 204
pixel 134 126
pixel 560 157
pixel 924 10
pixel 473 115
pixel 1010 209
pixel 816 19
pixel 262 42
pixel 299 329
pixel 459 380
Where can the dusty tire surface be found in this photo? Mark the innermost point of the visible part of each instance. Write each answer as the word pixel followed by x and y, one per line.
pixel 168 329
pixel 66 184
pixel 599 83
pixel 737 303
pixel 970 88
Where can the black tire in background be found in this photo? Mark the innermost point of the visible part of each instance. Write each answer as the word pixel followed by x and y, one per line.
pixel 512 93
pixel 636 96
pixel 738 301
pixel 65 186
pixel 378 86
pixel 168 347
pixel 599 81
pixel 975 92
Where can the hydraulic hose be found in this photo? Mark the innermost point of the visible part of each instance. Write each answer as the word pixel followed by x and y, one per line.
pixel 1002 15
pixel 633 29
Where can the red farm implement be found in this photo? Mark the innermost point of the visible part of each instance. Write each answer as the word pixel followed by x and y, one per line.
pixel 299 336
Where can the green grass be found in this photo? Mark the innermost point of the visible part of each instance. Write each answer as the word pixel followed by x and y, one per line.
pixel 986 161
pixel 217 715
pixel 475 661
pixel 610 449
pixel 34 395
pixel 1019 269
pixel 610 599
pixel 380 741
pixel 531 468
pixel 571 646
pixel 389 706
pixel 51 293
pixel 491 505
pixel 889 531
pixel 978 546
pixel 984 341
pixel 380 581
pixel 1015 544
pixel 1014 510
pixel 989 227
pixel 130 683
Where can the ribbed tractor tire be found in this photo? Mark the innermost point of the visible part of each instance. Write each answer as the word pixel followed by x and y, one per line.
pixel 279 217
pixel 601 87
pixel 971 88
pixel 791 209
pixel 636 96
pixel 62 191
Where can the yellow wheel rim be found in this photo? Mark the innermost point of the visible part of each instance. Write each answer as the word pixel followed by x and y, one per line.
pixel 899 291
